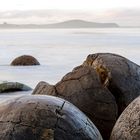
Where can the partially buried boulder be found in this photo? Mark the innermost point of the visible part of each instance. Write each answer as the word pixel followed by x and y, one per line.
pixel 83 88
pixel 44 118
pixel 118 74
pixel 25 60
pixel 127 126
pixel 12 87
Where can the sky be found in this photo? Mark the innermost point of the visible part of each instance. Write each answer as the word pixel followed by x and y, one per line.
pixel 67 4
pixel 123 12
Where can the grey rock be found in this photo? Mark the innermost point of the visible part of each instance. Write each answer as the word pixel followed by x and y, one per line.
pixel 13 86
pixel 127 126
pixel 119 75
pixel 44 118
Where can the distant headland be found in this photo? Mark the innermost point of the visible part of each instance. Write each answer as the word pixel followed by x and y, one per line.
pixel 65 24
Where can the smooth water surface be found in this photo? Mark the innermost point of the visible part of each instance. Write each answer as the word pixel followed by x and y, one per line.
pixel 60 50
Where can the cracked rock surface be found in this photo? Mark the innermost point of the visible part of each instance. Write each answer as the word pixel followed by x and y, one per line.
pixel 25 60
pixel 44 118
pixel 119 75
pixel 83 88
pixel 127 126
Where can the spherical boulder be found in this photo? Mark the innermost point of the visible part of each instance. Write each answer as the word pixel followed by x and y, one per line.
pixel 44 118
pixel 25 60
pixel 127 126
pixel 118 74
pixel 13 87
pixel 83 88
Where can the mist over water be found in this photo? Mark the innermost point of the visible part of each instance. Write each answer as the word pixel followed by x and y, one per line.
pixel 60 50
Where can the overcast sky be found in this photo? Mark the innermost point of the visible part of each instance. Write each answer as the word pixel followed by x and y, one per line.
pixel 123 12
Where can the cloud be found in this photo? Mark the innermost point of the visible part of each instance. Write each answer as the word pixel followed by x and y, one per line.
pixel 123 17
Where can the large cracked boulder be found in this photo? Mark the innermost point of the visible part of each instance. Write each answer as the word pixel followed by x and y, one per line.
pixel 127 126
pixel 13 87
pixel 118 74
pixel 25 60
pixel 44 118
pixel 83 88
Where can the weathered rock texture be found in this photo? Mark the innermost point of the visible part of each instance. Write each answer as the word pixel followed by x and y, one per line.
pixel 118 74
pixel 83 88
pixel 44 118
pixel 127 126
pixel 12 87
pixel 44 88
pixel 25 60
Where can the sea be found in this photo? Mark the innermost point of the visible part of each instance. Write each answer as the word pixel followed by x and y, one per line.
pixel 60 50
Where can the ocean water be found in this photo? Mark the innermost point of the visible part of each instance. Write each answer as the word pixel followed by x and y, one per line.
pixel 60 50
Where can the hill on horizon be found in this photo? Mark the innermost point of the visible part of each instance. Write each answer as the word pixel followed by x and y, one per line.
pixel 66 24
pixel 81 24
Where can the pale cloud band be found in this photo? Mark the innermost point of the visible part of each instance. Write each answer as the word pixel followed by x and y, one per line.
pixel 123 12
pixel 125 17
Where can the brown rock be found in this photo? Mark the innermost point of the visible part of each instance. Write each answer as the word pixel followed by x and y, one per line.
pixel 83 88
pixel 127 126
pixel 44 118
pixel 118 74
pixel 43 87
pixel 25 60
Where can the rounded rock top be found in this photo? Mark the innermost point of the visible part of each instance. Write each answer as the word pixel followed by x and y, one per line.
pixel 25 60
pixel 120 75
pixel 6 87
pixel 44 117
pixel 127 126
